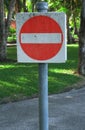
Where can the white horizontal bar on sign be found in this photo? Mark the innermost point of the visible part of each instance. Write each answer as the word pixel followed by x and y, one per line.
pixel 40 38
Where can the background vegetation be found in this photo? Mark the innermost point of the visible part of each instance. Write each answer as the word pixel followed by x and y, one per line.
pixel 20 81
pixel 71 8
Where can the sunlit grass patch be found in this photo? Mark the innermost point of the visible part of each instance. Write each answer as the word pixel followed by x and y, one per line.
pixel 21 80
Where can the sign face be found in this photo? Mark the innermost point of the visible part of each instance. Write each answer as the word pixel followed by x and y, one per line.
pixel 41 37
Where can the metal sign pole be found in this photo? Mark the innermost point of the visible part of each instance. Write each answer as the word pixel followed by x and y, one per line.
pixel 43 82
pixel 43 99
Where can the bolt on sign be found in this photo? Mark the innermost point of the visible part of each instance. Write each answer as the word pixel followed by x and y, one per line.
pixel 41 37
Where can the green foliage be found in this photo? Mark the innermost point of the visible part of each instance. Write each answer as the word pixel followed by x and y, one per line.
pixel 63 9
pixel 12 35
pixel 72 9
pixel 29 6
pixel 6 2
pixel 12 30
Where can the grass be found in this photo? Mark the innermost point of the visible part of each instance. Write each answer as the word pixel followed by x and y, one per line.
pixel 18 81
pixel 61 76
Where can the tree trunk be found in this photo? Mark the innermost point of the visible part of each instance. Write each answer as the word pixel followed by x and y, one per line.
pixel 11 9
pixel 81 68
pixel 2 32
pixel 24 6
pixel 4 28
pixel 33 4
pixel 69 36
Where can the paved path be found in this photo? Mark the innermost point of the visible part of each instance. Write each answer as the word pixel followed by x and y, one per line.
pixel 66 112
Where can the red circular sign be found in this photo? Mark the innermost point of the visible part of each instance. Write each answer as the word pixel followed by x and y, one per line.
pixel 44 25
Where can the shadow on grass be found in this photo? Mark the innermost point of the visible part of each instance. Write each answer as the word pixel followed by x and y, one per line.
pixel 22 79
pixel 19 80
pixel 59 82
pixel 72 59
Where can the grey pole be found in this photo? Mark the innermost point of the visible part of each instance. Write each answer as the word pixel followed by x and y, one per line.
pixel 43 82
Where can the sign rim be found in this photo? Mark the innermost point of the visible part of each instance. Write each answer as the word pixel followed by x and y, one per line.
pixel 54 59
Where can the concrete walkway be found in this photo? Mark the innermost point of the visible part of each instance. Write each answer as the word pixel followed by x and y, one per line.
pixel 66 112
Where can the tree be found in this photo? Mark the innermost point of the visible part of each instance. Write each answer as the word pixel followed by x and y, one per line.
pixel 21 6
pixel 10 12
pixel 81 68
pixel 2 32
pixel 72 9
pixel 4 26
pixel 33 2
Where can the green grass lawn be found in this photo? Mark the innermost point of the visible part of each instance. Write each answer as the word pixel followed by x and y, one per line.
pixel 18 81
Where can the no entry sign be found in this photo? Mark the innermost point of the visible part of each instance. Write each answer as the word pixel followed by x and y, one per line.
pixel 41 37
